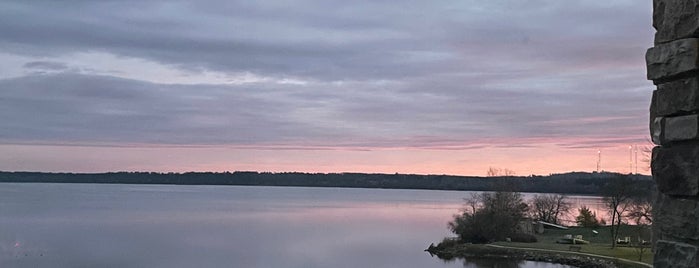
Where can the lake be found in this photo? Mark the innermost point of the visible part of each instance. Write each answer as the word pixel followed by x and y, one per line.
pixel 102 225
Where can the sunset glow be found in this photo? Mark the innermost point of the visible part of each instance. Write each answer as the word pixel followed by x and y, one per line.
pixel 449 88
pixel 540 160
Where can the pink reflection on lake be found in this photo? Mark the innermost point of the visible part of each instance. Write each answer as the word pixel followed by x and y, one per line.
pixel 83 225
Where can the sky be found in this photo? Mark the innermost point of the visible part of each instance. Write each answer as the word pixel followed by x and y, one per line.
pixel 447 87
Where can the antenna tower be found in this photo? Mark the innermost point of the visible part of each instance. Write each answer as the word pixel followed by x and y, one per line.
pixel 635 157
pixel 630 159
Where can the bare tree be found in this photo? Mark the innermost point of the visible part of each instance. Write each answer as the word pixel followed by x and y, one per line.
pixel 498 172
pixel 641 229
pixel 473 202
pixel 492 172
pixel 641 212
pixel 550 207
pixel 617 198
pixel 508 172
pixel 646 154
pixel 640 245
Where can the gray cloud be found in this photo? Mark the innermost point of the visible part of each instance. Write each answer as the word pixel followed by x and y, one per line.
pixel 336 41
pixel 79 108
pixel 46 65
pixel 420 75
pixel 101 109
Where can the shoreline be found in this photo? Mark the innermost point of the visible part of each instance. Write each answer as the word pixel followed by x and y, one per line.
pixel 574 183
pixel 582 260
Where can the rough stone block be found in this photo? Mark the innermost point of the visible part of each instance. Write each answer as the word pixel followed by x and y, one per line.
pixel 652 115
pixel 676 169
pixel 656 130
pixel 673 129
pixel 676 218
pixel 676 97
pixel 654 104
pixel 675 19
pixel 681 128
pixel 675 254
pixel 669 61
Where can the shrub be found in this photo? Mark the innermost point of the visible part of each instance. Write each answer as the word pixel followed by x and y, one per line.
pixel 448 242
pixel 497 218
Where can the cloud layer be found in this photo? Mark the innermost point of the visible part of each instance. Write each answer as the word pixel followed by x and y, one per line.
pixel 324 74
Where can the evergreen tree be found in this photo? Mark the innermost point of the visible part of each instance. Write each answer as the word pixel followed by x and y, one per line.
pixel 586 218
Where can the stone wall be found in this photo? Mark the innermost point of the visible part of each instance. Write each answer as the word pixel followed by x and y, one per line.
pixel 673 65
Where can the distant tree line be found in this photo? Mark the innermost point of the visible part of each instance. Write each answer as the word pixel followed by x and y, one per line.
pixel 568 183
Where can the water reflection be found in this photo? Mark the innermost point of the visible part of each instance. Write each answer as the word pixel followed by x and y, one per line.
pixel 83 225
pixel 505 263
pixel 492 263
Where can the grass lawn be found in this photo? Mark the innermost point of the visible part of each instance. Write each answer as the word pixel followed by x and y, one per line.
pixel 600 243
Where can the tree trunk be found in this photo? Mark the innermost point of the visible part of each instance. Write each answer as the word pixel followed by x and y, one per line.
pixel 614 233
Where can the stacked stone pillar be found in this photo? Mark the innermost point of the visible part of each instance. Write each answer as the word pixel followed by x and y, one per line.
pixel 673 65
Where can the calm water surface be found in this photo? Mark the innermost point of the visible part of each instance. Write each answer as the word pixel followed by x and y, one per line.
pixel 91 225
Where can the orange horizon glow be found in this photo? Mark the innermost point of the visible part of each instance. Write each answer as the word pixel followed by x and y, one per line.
pixel 529 159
